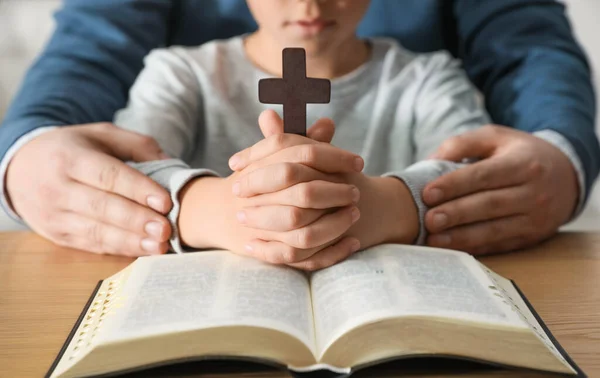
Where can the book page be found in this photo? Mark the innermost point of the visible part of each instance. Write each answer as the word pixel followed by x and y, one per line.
pixel 392 280
pixel 171 293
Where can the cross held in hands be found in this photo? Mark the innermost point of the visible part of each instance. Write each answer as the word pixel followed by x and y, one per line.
pixel 294 91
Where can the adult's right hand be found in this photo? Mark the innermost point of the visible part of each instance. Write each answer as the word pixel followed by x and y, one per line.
pixel 71 186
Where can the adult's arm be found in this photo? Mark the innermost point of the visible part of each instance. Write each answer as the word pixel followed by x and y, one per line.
pixel 88 66
pixel 536 79
pixel 522 54
pixel 82 77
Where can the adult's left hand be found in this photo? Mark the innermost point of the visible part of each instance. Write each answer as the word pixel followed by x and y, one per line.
pixel 520 192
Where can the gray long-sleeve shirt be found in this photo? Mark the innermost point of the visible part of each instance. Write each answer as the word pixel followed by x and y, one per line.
pixel 201 105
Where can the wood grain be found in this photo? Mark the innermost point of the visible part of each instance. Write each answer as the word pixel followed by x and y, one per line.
pixel 44 287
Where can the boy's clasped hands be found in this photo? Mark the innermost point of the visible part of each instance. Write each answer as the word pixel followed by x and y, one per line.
pixel 299 201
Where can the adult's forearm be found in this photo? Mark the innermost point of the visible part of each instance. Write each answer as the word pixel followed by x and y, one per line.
pixel 84 73
pixel 535 76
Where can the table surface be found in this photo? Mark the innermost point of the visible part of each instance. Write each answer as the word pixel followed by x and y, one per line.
pixel 43 289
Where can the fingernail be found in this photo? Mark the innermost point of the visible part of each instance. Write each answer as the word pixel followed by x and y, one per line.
pixel 234 161
pixel 358 164
pixel 435 195
pixel 150 246
pixel 441 239
pixel 236 189
pixel 153 229
pixel 355 214
pixel 248 248
pixel 440 220
pixel 354 246
pixel 155 203
pixel 241 216
pixel 355 195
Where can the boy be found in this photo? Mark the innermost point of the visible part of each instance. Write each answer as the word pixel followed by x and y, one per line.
pixel 291 199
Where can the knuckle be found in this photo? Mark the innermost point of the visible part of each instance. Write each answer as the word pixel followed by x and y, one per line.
pixel 450 144
pixel 306 193
pixel 294 217
pixel 311 265
pixel 307 153
pixel 104 249
pixel 277 142
pixel 535 169
pixel 93 233
pixel 108 177
pixel 289 255
pixel 482 176
pixel 304 238
pixel 290 173
pixel 147 141
pixel 542 199
pixel 61 238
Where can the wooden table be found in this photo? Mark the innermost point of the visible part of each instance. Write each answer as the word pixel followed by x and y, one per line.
pixel 43 288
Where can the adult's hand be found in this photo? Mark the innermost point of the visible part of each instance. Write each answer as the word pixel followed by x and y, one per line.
pixel 520 193
pixel 71 186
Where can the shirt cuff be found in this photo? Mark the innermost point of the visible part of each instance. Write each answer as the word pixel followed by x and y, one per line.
pixel 416 177
pixel 4 202
pixel 173 175
pixel 560 142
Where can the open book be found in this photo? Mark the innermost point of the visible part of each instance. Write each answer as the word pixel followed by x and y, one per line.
pixel 387 302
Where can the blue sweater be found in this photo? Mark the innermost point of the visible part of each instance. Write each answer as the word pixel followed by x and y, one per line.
pixel 520 53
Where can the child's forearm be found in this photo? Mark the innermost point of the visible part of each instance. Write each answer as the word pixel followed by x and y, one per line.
pixel 388 213
pixel 203 214
pixel 399 209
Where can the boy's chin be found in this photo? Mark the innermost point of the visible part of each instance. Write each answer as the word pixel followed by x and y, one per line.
pixel 312 48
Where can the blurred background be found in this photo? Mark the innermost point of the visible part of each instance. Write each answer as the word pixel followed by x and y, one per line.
pixel 25 26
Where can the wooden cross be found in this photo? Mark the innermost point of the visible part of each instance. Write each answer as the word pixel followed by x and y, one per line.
pixel 294 91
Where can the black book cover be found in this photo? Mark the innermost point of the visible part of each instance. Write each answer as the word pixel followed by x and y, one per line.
pixel 74 329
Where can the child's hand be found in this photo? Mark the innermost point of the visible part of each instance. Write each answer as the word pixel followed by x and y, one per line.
pixel 303 210
pixel 305 223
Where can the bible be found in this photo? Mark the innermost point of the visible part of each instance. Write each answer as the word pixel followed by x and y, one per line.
pixel 383 303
